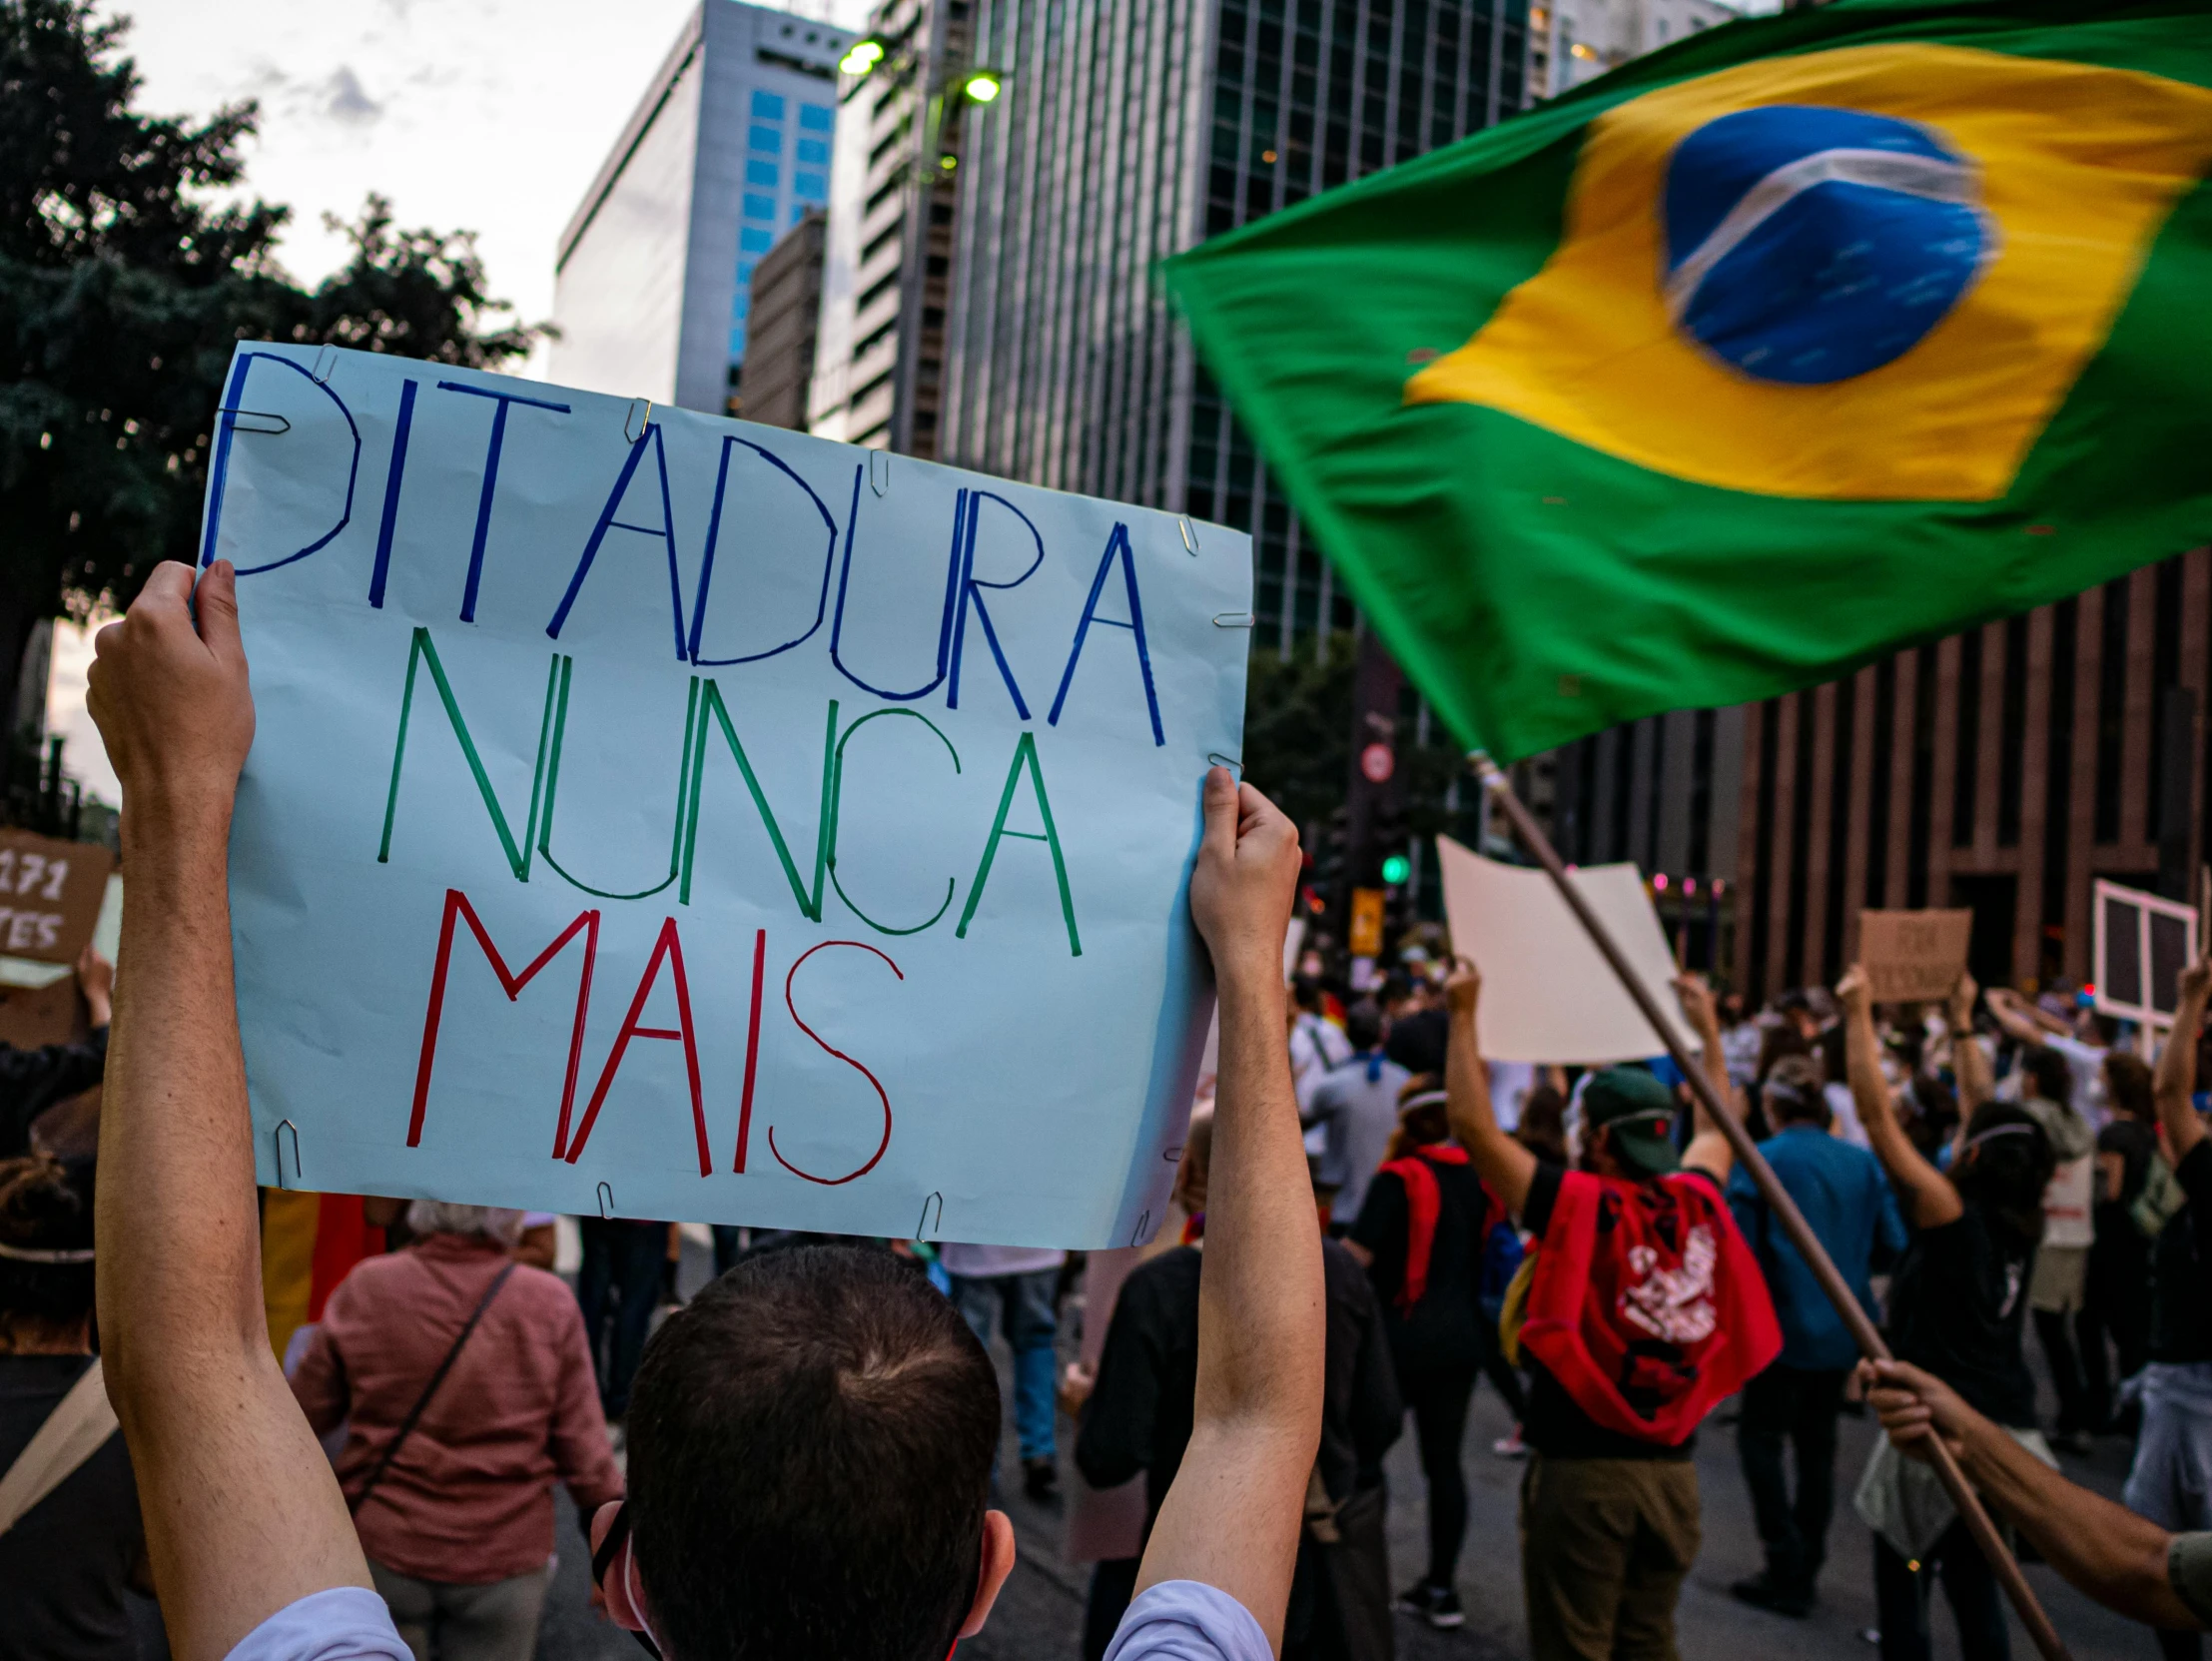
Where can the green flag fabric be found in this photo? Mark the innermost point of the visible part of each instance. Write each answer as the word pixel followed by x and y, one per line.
pixel 1795 343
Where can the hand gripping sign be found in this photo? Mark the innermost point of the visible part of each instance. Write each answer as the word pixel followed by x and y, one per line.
pixel 661 816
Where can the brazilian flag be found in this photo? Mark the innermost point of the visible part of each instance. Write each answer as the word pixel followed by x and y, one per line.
pixel 1795 343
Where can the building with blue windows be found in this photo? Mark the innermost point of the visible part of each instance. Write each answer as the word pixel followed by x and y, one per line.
pixel 1128 131
pixel 727 150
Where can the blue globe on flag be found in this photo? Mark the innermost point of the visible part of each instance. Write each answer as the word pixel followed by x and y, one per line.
pixel 1808 244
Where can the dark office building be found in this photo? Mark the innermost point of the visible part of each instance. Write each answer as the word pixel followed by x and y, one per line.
pixel 787 310
pixel 1128 131
pixel 2002 770
pixel 2005 771
pixel 891 237
pixel 1666 793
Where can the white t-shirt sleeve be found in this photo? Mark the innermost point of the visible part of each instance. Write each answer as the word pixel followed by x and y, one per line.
pixel 1187 1620
pixel 2087 1063
pixel 343 1623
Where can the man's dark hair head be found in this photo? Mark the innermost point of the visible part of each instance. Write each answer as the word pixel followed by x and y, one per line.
pixel 1544 1121
pixel 809 1446
pixel 2005 1166
pixel 1777 1042
pixel 1363 1025
pixel 1795 1095
pixel 1830 1046
pixel 44 1210
pixel 1395 990
pixel 1305 992
pixel 2128 1082
pixel 2048 1074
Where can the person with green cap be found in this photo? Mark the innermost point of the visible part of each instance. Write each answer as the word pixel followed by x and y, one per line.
pixel 1640 1309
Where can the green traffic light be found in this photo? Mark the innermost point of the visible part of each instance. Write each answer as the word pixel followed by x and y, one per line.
pixel 1396 869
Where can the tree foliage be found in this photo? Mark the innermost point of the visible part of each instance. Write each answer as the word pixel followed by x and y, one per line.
pixel 1298 741
pixel 125 281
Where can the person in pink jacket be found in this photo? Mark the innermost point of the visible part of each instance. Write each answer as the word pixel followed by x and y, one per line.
pixel 458 1518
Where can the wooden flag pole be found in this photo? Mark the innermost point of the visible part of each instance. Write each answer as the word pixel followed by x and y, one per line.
pixel 1778 1200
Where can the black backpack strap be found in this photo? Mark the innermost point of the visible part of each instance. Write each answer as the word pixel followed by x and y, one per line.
pixel 422 1401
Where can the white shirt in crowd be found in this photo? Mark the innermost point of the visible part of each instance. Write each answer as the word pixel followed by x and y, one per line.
pixel 1843 1115
pixel 1177 1620
pixel 1510 1084
pixel 1354 1116
pixel 982 1263
pixel 2087 1063
pixel 1740 1047
pixel 1315 1047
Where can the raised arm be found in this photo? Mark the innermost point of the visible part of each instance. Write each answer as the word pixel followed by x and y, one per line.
pixel 1969 1062
pixel 242 1516
pixel 2021 1020
pixel 2174 1085
pixel 1928 1191
pixel 1505 1164
pixel 1233 1516
pixel 1710 1148
pixel 2102 1549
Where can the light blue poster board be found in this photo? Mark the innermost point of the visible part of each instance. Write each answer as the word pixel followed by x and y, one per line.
pixel 661 816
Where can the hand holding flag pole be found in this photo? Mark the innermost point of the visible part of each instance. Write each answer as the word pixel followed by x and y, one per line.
pixel 1778 1200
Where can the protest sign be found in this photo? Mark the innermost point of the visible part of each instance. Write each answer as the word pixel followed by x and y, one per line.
pixel 50 895
pixel 656 815
pixel 2141 945
pixel 31 1016
pixel 1914 956
pixel 1547 994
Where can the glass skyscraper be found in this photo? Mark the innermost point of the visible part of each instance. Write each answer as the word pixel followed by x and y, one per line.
pixel 1130 130
pixel 728 149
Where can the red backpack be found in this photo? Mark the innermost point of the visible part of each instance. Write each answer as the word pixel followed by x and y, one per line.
pixel 1646 1304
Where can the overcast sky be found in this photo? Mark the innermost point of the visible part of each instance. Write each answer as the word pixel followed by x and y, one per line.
pixel 470 115
pixel 480 115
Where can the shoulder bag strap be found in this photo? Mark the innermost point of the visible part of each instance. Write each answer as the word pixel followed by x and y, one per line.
pixel 77 1428
pixel 415 1414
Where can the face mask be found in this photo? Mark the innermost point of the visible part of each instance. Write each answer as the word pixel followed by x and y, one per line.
pixel 614 1573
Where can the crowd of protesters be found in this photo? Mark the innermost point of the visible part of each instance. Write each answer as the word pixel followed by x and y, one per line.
pixel 344 1442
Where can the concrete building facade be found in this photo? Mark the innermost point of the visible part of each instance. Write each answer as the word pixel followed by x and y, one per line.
pixel 729 147
pixel 2001 772
pixel 905 127
pixel 1573 41
pixel 1128 131
pixel 785 316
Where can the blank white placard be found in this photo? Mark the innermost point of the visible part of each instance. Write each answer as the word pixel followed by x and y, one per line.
pixel 1546 992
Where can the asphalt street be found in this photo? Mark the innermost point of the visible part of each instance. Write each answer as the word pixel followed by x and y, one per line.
pixel 1039 1614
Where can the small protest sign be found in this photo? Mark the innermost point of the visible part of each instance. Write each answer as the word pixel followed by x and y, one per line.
pixel 34 1016
pixel 2141 945
pixel 1365 938
pixel 659 816
pixel 1547 994
pixel 50 894
pixel 1914 956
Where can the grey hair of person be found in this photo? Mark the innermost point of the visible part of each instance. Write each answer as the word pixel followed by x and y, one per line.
pixel 1793 1093
pixel 494 1222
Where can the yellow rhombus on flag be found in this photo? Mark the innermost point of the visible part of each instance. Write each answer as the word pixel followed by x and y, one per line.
pixel 1801 341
